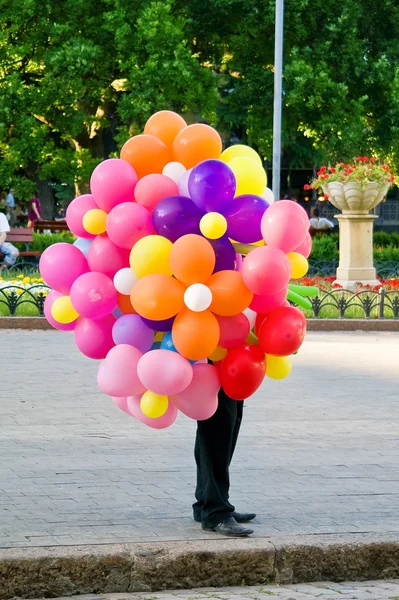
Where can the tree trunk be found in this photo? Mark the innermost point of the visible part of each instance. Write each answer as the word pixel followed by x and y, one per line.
pixel 46 197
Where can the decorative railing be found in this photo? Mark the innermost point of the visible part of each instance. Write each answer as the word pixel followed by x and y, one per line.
pixel 324 268
pixel 16 300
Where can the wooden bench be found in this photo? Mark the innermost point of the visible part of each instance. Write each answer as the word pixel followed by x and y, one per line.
pixel 18 234
pixel 53 226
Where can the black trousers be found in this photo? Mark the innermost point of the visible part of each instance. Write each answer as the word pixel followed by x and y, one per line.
pixel 214 448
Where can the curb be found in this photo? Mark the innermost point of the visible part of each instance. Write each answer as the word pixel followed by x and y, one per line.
pixel 67 571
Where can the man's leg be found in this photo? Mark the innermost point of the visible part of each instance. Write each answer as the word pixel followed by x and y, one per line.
pixel 10 252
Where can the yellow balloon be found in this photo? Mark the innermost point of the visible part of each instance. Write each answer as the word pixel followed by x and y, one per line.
pixel 94 221
pixel 260 243
pixel 159 336
pixel 153 405
pixel 63 311
pixel 277 367
pixel 250 176
pixel 213 225
pixel 218 354
pixel 150 255
pixel 299 265
pixel 238 151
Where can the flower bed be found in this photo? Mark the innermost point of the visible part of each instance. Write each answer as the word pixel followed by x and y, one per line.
pixel 22 295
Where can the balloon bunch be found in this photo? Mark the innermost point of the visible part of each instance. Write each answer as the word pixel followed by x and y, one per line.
pixel 156 286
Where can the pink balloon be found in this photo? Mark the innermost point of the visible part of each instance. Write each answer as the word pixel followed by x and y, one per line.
pixel 266 270
pixel 264 304
pixel 285 225
pixel 163 422
pixel 239 261
pixel 127 223
pixel 183 184
pixel 94 338
pixel 151 189
pixel 48 303
pixel 60 265
pixel 199 401
pixel 76 211
pixel 94 296
pixel 306 247
pixel 233 330
pixel 122 404
pixel 117 375
pixel 113 182
pixel 105 257
pixel 164 372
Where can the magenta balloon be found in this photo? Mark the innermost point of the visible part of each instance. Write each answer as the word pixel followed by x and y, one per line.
pixel 233 330
pixel 94 338
pixel 212 186
pixel 265 304
pixel 48 303
pixel 113 182
pixel 105 257
pixel 60 265
pixel 244 216
pixel 94 296
pixel 239 261
pixel 199 401
pixel 130 329
pixel 183 184
pixel 163 326
pixel 76 211
pixel 306 247
pixel 266 270
pixel 176 216
pixel 127 223
pixel 117 375
pixel 225 254
pixel 122 404
pixel 285 225
pixel 164 372
pixel 163 422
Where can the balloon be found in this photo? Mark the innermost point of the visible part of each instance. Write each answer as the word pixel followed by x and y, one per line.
pixel 268 196
pixel 105 257
pixel 124 281
pixel 306 247
pixel 196 143
pixel 176 216
pixel 83 244
pixel 48 303
pixel 285 224
pixel 125 305
pixel 238 151
pixel 122 404
pixel 244 217
pixel 198 297
pixel 127 223
pixel 93 295
pixel 151 255
pixel 192 259
pixel 233 330
pixel 174 170
pixel 153 405
pixel 213 225
pixel 278 367
pixel 212 186
pixel 60 264
pixel 153 188
pixel 283 332
pixel 157 297
pixel 76 211
pixel 199 400
pixel 164 372
pixel 160 326
pixel 218 354
pixel 195 335
pixel 250 176
pixel 266 270
pixel 62 310
pixel 130 329
pixel 117 375
pixel 229 294
pixel 165 125
pixel 94 221
pixel 163 422
pixel 239 261
pixel 146 153
pixel 94 338
pixel 183 184
pixel 251 316
pixel 242 371
pixel 299 265
pixel 264 304
pixel 113 182
pixel 225 254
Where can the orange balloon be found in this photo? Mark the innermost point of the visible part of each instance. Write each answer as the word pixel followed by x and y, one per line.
pixel 195 334
pixel 192 259
pixel 125 305
pixel 146 153
pixel 229 294
pixel 157 297
pixel 165 125
pixel 196 143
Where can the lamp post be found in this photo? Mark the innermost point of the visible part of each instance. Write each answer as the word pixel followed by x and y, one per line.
pixel 278 76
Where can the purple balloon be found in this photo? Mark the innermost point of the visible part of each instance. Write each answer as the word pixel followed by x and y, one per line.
pixel 176 216
pixel 225 254
pixel 212 186
pixel 244 216
pixel 131 330
pixel 165 325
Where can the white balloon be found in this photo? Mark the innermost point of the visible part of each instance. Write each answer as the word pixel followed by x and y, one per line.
pixel 83 244
pixel 174 170
pixel 124 280
pixel 251 316
pixel 268 195
pixel 198 297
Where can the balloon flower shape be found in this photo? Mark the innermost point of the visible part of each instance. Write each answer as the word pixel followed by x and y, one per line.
pixel 194 296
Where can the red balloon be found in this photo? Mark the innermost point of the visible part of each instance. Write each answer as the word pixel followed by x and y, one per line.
pixel 260 317
pixel 242 371
pixel 283 331
pixel 233 330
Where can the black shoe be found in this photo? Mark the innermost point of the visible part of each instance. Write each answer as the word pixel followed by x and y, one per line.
pixel 231 528
pixel 239 517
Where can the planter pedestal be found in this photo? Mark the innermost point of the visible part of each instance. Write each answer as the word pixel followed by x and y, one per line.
pixel 356 251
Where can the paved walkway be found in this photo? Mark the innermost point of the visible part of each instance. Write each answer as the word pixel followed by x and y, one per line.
pixel 318 453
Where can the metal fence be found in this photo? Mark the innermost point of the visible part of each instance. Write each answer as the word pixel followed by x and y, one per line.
pixel 325 268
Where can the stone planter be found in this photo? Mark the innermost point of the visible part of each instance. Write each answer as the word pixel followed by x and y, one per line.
pixel 352 199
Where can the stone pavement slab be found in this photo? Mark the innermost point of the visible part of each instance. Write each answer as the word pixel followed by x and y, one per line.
pixel 318 452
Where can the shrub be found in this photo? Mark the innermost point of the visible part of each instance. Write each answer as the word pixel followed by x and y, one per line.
pixel 41 241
